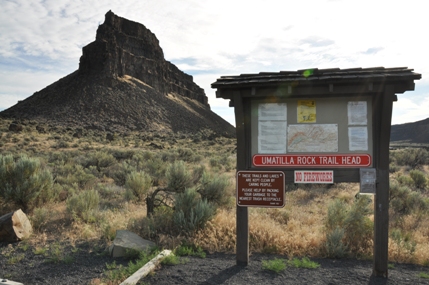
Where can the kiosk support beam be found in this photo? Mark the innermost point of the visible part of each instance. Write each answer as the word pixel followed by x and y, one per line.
pixel 242 218
pixel 381 204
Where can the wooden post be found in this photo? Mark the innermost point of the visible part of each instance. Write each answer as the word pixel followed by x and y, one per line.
pixel 242 215
pixel 382 124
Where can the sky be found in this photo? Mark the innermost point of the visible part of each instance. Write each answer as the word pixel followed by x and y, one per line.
pixel 41 40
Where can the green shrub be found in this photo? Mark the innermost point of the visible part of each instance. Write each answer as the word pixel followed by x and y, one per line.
pixel 178 177
pixel 24 182
pixel 156 168
pixel 419 178
pixel 84 205
pixel 413 157
pixel 404 200
pixel 334 245
pixel 405 180
pixel 276 265
pixel 190 212
pixel 197 173
pixel 353 223
pixel 40 218
pixel 404 243
pixel 138 184
pixel 189 250
pixel 214 189
pixel 305 262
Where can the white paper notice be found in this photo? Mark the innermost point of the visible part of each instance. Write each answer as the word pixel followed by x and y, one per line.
pixel 358 138
pixel 272 127
pixel 357 112
pixel 272 144
pixel 272 112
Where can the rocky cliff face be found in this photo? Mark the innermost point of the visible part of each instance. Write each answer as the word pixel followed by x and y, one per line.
pixel 123 83
pixel 124 47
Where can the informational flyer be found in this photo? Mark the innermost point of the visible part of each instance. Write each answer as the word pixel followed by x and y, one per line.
pixel 357 112
pixel 358 138
pixel 272 128
pixel 306 111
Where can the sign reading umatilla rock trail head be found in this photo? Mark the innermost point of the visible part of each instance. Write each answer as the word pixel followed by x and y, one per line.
pixel 314 126
pixel 261 188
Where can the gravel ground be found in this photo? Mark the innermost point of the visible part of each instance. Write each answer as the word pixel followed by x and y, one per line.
pixel 221 268
pixel 86 262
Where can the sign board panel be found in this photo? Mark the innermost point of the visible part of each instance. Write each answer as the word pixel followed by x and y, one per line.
pixel 314 176
pixel 261 188
pixel 312 132
pixel 311 160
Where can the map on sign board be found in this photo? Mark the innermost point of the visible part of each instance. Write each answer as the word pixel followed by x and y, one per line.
pixel 312 138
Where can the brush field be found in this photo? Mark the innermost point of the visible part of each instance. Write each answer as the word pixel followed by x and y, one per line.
pixel 101 182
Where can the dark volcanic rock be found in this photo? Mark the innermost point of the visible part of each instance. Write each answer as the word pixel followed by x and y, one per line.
pixel 123 84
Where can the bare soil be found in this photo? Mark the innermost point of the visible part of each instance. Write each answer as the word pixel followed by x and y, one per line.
pixel 220 268
pixel 86 262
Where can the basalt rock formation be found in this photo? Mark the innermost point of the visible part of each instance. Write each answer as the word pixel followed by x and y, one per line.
pixel 123 83
pixel 415 132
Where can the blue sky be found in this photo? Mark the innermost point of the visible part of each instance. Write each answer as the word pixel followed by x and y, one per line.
pixel 41 40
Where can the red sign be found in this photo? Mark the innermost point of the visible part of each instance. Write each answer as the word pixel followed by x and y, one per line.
pixel 312 160
pixel 261 188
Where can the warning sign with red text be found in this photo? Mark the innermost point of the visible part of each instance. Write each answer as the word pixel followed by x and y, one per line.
pixel 319 177
pixel 261 188
pixel 312 160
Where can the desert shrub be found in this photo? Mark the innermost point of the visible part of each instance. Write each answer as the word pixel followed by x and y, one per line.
pixel 122 154
pixel 413 157
pixel 197 173
pixel 403 200
pixel 24 182
pixel 215 162
pixel 185 154
pixel 405 245
pixel 84 205
pixel 138 184
pixel 39 218
pixel 393 167
pixel 419 178
pixel 213 188
pixel 119 172
pixel 178 177
pixel 190 212
pixel 353 223
pixel 334 244
pixel 405 180
pixel 156 168
pixel 74 173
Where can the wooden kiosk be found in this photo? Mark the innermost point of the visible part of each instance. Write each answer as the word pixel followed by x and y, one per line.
pixel 314 126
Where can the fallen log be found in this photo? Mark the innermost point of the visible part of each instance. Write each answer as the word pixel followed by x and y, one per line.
pixel 14 226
